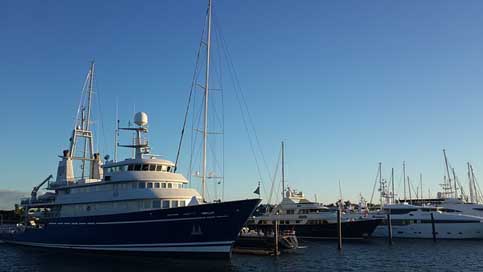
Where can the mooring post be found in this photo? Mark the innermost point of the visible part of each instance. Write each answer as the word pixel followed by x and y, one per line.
pixel 389 227
pixel 339 229
pixel 434 227
pixel 276 253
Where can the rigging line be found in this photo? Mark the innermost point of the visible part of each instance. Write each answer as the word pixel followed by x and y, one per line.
pixel 193 82
pixel 239 89
pixel 374 187
pixel 218 71
pixel 82 98
pixel 101 117
pixel 194 159
pixel 274 178
pixel 246 129
pixel 238 93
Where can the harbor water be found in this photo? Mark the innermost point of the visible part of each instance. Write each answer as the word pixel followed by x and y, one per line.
pixel 368 255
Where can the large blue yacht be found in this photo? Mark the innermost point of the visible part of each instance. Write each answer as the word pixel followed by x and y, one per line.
pixel 137 205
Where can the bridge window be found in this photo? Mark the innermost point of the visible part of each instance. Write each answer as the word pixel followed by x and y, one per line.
pixel 402 211
pixel 165 204
pixel 145 167
pixel 152 167
pixel 158 167
pixel 130 167
pixel 137 167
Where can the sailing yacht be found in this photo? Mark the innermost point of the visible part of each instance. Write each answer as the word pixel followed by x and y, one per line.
pixel 136 205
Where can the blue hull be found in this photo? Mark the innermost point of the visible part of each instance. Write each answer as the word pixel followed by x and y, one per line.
pixel 208 229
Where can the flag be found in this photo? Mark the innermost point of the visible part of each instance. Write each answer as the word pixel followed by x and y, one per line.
pixel 257 191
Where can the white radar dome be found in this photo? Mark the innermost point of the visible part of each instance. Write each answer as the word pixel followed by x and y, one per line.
pixel 141 119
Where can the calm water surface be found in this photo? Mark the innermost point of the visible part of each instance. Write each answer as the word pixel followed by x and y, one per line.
pixel 371 255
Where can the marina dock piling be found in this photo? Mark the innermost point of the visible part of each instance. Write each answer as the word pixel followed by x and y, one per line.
pixel 339 229
pixel 389 228
pixel 276 234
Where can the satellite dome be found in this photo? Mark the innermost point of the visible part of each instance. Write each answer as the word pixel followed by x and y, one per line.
pixel 141 119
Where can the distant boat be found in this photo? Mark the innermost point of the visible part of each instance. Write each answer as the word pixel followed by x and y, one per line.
pixel 137 205
pixel 313 220
pixel 421 221
pixel 411 221
pixel 310 219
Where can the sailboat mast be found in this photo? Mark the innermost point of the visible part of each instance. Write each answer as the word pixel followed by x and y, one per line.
pixel 283 170
pixel 421 184
pixel 205 117
pixel 392 185
pixel 381 200
pixel 404 179
pixel 447 171
pixel 470 184
pixel 454 180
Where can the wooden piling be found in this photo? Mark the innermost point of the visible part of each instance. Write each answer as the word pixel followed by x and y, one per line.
pixel 276 252
pixel 389 228
pixel 339 229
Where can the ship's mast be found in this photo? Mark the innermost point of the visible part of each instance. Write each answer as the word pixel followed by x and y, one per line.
pixel 381 187
pixel 283 170
pixel 205 117
pixel 447 171
pixel 392 185
pixel 472 199
pixel 404 179
pixel 82 126
pixel 87 124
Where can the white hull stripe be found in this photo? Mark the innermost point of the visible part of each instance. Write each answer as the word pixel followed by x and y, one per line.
pixel 138 221
pixel 180 248
pixel 127 245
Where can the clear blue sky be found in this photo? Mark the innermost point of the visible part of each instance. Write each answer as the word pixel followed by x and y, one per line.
pixel 345 83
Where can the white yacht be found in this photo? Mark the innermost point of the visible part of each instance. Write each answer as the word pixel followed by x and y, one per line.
pixel 411 221
pixel 312 220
